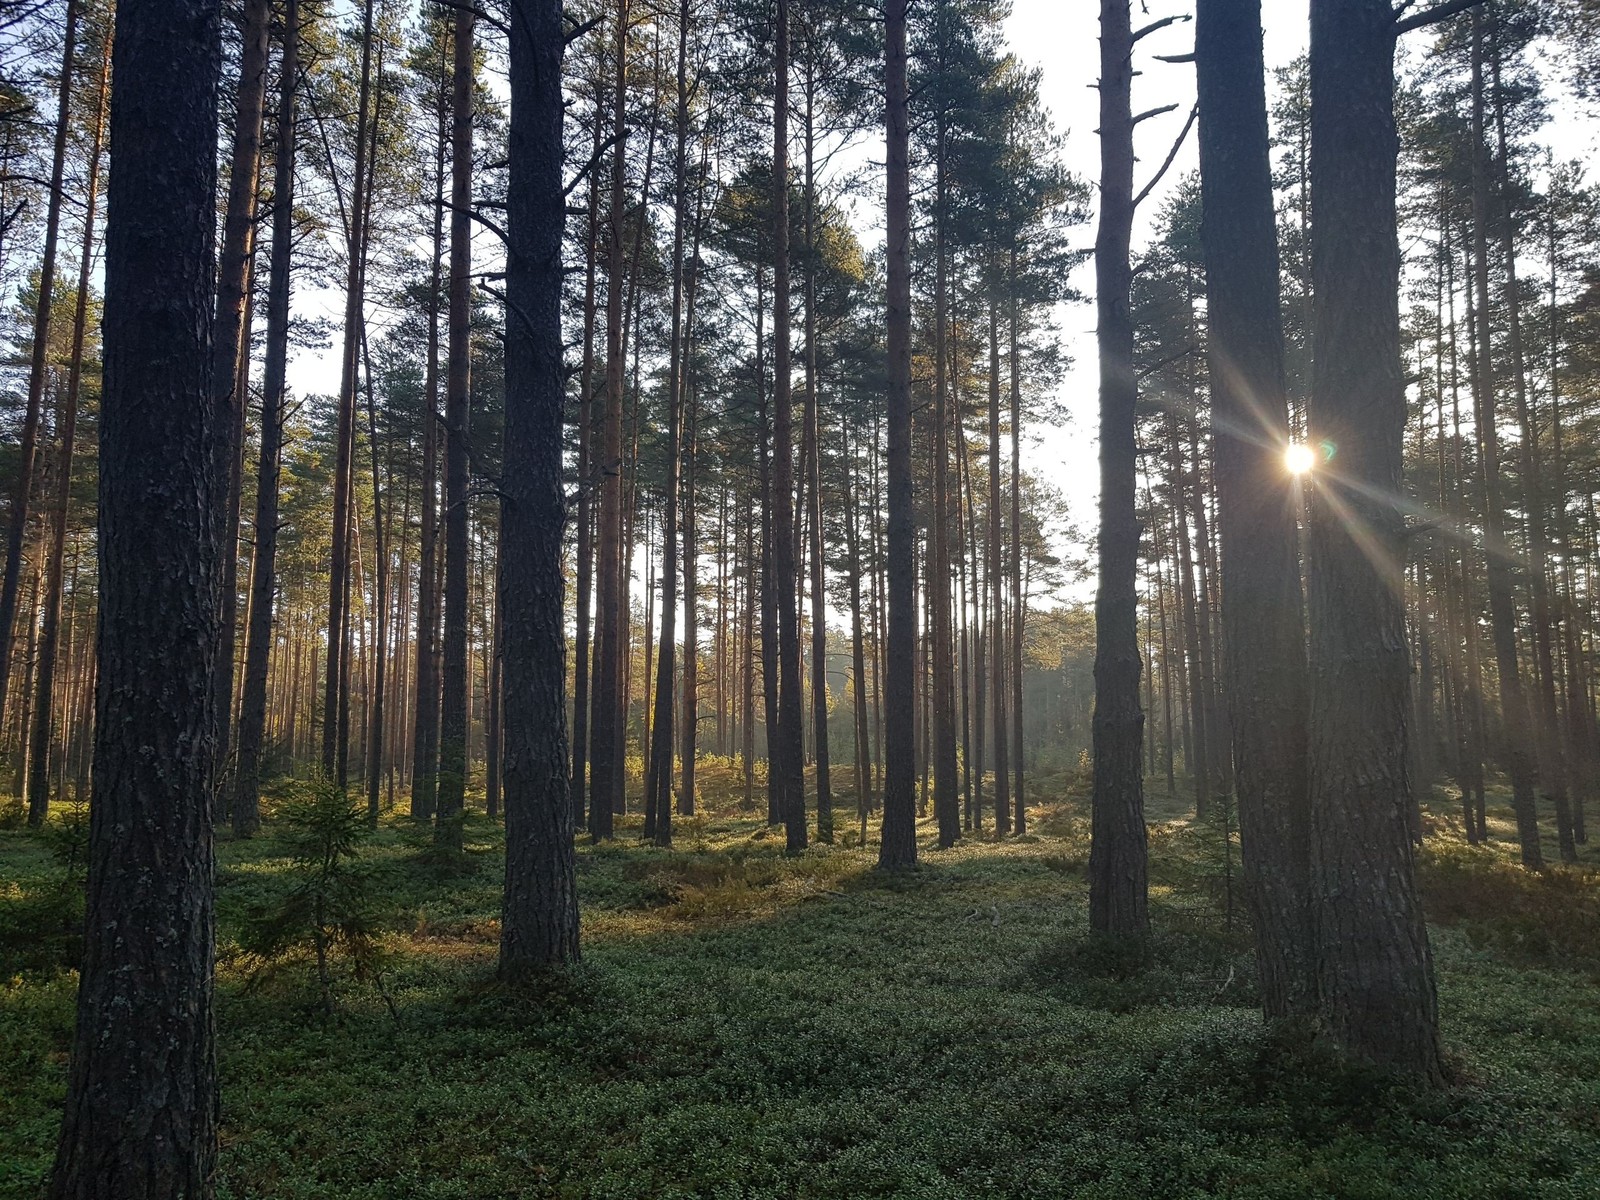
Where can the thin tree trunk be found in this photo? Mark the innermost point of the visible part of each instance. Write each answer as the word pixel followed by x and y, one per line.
pixel 898 846
pixel 453 721
pixel 1117 858
pixel 43 707
pixel 263 578
pixel 22 495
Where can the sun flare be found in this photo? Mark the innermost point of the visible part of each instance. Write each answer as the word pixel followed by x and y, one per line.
pixel 1299 459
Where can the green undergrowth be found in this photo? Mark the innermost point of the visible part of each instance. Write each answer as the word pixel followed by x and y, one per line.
pixel 747 1024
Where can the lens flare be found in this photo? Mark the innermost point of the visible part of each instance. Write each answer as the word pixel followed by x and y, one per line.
pixel 1299 459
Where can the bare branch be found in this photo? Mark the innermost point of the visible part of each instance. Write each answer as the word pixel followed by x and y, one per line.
pixel 1171 154
pixel 1158 25
pixel 1430 16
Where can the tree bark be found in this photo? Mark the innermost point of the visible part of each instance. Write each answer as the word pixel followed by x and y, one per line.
pixel 335 691
pixel 606 735
pixel 50 625
pixel 788 755
pixel 140 1118
pixel 22 495
pixel 1118 891
pixel 1257 504
pixel 263 579
pixel 898 846
pixel 539 915
pixel 230 372
pixel 1375 971
pixel 458 381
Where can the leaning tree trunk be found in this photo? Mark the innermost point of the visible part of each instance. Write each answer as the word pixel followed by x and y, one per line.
pixel 140 1118
pixel 458 379
pixel 263 578
pixel 1117 859
pixel 898 847
pixel 539 915
pixel 1375 973
pixel 1263 626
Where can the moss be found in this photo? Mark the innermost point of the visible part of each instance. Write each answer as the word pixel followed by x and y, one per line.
pixel 751 1025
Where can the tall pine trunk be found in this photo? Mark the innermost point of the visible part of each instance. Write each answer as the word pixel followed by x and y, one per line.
pixel 140 1120
pixel 1118 892
pixel 50 624
pixel 22 494
pixel 263 578
pixel 1375 972
pixel 453 720
pixel 1264 645
pixel 539 914
pixel 898 847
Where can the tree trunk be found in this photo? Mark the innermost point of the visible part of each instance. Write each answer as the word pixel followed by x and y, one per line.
pixel 1502 605
pixel 458 381
pixel 230 371
pixel 898 847
pixel 1374 968
pixel 50 626
pixel 1117 858
pixel 787 756
pixel 1263 628
pixel 140 1119
pixel 22 495
pixel 263 579
pixel 539 915
pixel 425 736
pixel 606 736
pixel 335 691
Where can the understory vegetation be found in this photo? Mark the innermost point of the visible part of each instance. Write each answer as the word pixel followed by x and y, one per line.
pixel 747 1024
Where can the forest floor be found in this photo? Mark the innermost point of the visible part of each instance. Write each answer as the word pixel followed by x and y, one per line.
pixel 749 1025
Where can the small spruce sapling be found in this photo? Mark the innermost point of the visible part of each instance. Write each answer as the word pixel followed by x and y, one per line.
pixel 331 903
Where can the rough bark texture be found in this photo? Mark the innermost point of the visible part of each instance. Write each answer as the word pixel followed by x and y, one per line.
pixel 539 916
pixel 263 577
pixel 898 847
pixel 141 1110
pixel 1117 857
pixel 1374 969
pixel 458 380
pixel 1263 626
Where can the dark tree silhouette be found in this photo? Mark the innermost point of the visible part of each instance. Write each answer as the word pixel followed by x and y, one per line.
pixel 141 1108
